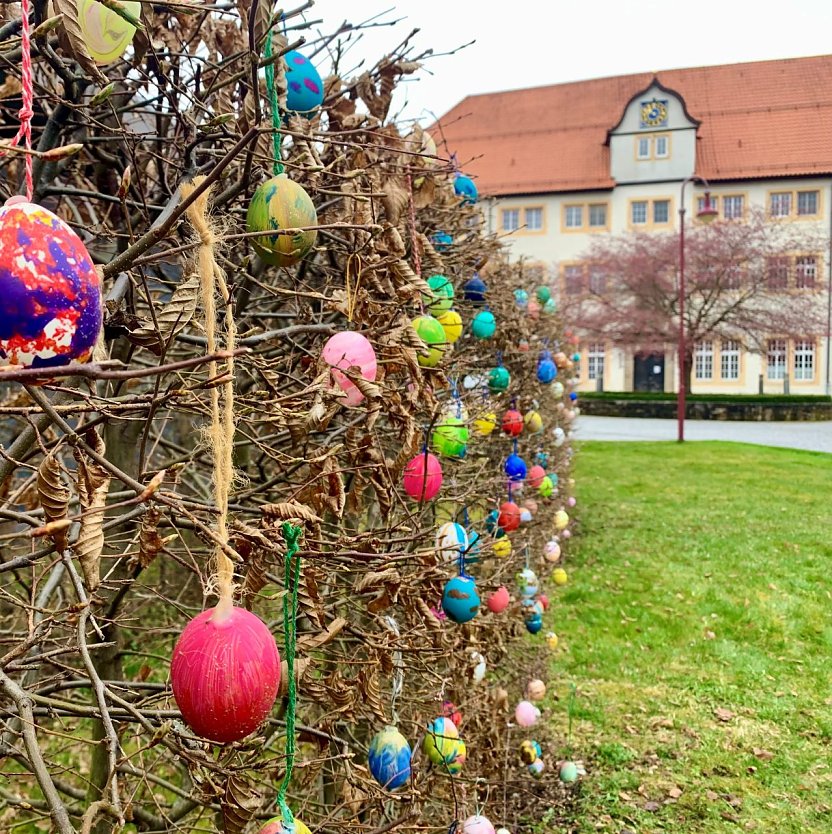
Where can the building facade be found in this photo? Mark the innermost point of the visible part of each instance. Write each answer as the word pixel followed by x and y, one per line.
pixel 559 166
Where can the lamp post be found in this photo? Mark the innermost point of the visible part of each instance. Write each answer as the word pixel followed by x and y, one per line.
pixel 707 213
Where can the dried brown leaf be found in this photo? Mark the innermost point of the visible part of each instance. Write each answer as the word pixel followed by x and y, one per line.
pixel 53 494
pixel 171 317
pixel 93 484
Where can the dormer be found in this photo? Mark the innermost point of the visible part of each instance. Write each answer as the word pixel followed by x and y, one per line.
pixel 655 140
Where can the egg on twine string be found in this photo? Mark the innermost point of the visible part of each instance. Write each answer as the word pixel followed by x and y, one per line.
pixel 225 673
pixel 466 188
pixel 536 768
pixel 546 488
pixel 561 519
pixel 512 422
pixel 530 750
pixel 527 583
pixel 525 516
pixel 460 600
pixel 546 369
pixel 451 322
pixel 431 332
pixel 499 379
pixel 484 325
pixel 534 622
pixel 536 474
pixel 454 766
pixel 543 294
pixel 536 690
pixel 422 477
pixel 478 824
pixel 498 600
pixel 280 203
pixel 350 350
pixel 521 297
pixel 485 424
pixel 559 576
pixel 51 313
pixel 533 422
pixel 479 670
pixel 557 389
pixel 440 299
pixel 304 87
pixel 502 547
pixel 389 758
pixel 105 33
pixel 449 710
pixel 475 289
pixel 515 467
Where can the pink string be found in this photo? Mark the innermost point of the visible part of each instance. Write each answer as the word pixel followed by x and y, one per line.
pixel 27 95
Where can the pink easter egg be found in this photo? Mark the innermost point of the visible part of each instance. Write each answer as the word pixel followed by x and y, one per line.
pixel 498 600
pixel 477 824
pixel 348 350
pixel 544 601
pixel 552 551
pixel 526 714
pixel 571 501
pixel 533 310
pixel 535 476
pixel 422 477
pixel 566 534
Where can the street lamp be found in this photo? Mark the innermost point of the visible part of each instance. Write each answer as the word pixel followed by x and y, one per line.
pixel 706 214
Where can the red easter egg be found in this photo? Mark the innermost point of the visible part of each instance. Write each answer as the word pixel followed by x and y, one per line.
pixel 498 600
pixel 509 518
pixel 544 601
pixel 512 422
pixel 225 673
pixel 449 710
pixel 422 477
pixel 535 476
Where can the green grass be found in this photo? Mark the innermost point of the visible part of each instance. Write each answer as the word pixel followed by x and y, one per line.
pixel 664 396
pixel 700 581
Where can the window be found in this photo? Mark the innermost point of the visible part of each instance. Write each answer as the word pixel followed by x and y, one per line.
pixel 704 360
pixel 733 207
pixel 776 359
pixel 574 279
pixel 574 217
pixel 597 215
pixel 807 203
pixel 661 211
pixel 805 272
pixel 804 361
pixel 700 203
pixel 777 273
pixel 729 359
pixel 597 280
pixel 511 220
pixel 644 147
pixel 595 361
pixel 781 203
pixel 534 219
pixel 639 212
pixel 661 147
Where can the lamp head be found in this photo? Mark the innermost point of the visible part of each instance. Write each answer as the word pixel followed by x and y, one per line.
pixel 708 212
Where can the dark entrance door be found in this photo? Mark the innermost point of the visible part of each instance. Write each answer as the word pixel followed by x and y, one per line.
pixel 648 372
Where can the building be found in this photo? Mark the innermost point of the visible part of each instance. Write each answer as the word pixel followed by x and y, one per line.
pixel 558 165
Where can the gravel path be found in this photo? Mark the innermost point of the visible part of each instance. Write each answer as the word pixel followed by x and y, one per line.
pixel 814 436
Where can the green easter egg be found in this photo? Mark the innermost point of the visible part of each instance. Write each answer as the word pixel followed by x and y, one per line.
pixel 498 379
pixel 550 307
pixel 543 294
pixel 432 333
pixel 450 437
pixel 546 488
pixel 441 296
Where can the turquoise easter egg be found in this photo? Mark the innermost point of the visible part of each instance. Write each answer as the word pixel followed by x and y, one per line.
pixel 389 758
pixel 464 187
pixel 543 294
pixel 484 325
pixel 460 600
pixel 304 87
pixel 498 379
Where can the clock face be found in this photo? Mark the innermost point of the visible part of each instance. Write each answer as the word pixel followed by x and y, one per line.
pixel 654 113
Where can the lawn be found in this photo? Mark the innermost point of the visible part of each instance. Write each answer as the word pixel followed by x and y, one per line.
pixel 697 628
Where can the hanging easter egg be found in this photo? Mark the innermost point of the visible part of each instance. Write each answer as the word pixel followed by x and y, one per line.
pixel 451 322
pixel 526 714
pixel 521 297
pixel 106 34
pixel 529 751
pixel 551 551
pixel 576 357
pixel 561 519
pixel 533 422
pixel 502 547
pixel 499 600
pixel 460 600
pixel 543 294
pixel 552 640
pixel 440 740
pixel 503 831
pixel 561 359
pixel 304 87
pixel 536 475
pixel 485 424
pixel 477 824
pixel 454 766
pixel 557 389
pixel 474 289
pixel 536 690
pixel 350 350
pixel 509 518
pixel 464 187
pixel 450 437
pixel 512 423
pixel 51 308
pixel 531 505
pixel 566 534
pixel 484 325
pixel 536 768
pixel 442 241
pixel 478 672
pixel 546 369
pixel 560 436
pixel 440 299
pixel 533 310
pixel 451 541
pixel 546 488
pixel 515 468
pixel 568 772
pixel 422 478
pixel 225 673
pixel 550 307
pixel 389 758
pixel 559 576
pixel 525 516
pixel 471 381
pixel 280 203
pixel 498 379
pixel 544 602
pixel 523 346
pixel 533 623
pixel 449 710
pixel 571 501
pixel 277 826
pixel 527 583
pixel 431 332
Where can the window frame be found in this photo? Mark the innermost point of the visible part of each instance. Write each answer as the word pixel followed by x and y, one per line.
pixel 780 368
pixel 534 229
pixel 781 261
pixel 646 204
pixel 566 210
pixel 595 360
pixel 606 223
pixel 647 142
pixel 807 215
pixel 725 198
pixel 780 195
pixel 800 282
pixel 706 355
pixel 504 212
pixel 733 355
pixel 794 201
pixel 803 349
pixel 653 204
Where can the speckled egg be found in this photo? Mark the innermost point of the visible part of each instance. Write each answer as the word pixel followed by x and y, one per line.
pixel 536 768
pixel 106 34
pixel 304 87
pixel 279 203
pixel 440 741
pixel 389 758
pixel 52 311
pixel 460 600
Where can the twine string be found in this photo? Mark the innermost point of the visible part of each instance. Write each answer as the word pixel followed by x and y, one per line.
pixel 398 674
pixel 277 136
pixel 414 242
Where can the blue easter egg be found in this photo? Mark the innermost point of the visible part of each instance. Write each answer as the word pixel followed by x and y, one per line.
pixel 542 458
pixel 472 555
pixel 304 87
pixel 546 371
pixel 521 298
pixel 484 325
pixel 576 357
pixel 534 623
pixel 515 468
pixel 573 396
pixel 389 758
pixel 475 289
pixel 460 600
pixel 442 241
pixel 464 187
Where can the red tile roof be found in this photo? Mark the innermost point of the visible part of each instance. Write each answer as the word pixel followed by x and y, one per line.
pixel 762 119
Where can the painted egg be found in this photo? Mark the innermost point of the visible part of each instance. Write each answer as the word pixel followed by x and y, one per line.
pixel 471 381
pixel 276 826
pixel 533 422
pixel 533 310
pixel 536 474
pixel 552 551
pixel 51 311
pixel 576 357
pixel 279 203
pixel 466 188
pixel 502 547
pixel 478 824
pixel 525 516
pixel 544 602
pixel 454 766
pixel 350 350
pixel 536 690
pixel 552 640
pixel 441 296
pixel 546 488
pixel 478 673
pixel 561 519
pixel 557 389
pixel 561 359
pixel 304 87
pixel 431 332
pixel 512 423
pixel 389 758
pixel 484 325
pixel 106 34
pixel 451 322
pixel 527 583
pixel 475 289
pixel 534 623
pixel 531 505
pixel 550 307
pixel 515 467
pixel 485 424
pixel 573 396
pixel 523 346
pixel 442 241
pixel 460 600
pixel 543 294
pixel 521 298
pixel 440 740
pixel 560 436
pixel 568 772
pixel 546 371
pixel 509 518
pixel 536 768
pixel 526 714
pixel 498 379
pixel 422 477
pixel 571 501
pixel 450 437
pixel 559 576
pixel 499 600
pixel 451 541
pixel 449 710
pixel 530 750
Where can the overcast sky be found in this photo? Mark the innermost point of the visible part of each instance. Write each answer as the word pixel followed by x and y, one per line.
pixel 531 42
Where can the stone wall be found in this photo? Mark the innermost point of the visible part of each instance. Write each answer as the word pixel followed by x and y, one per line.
pixel 708 410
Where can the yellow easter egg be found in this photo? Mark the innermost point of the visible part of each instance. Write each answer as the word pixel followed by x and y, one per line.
pixel 561 519
pixel 451 323
pixel 485 424
pixel 502 547
pixel 559 576
pixel 533 422
pixel 106 34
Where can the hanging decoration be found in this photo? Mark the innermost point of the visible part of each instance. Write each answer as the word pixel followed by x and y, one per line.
pixel 106 34
pixel 304 86
pixel 350 350
pixel 422 477
pixel 431 332
pixel 475 289
pixel 484 325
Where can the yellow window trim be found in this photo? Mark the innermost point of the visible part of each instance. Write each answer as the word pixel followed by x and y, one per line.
pixel 650 225
pixel 522 208
pixel 651 145
pixel 584 228
pixel 793 215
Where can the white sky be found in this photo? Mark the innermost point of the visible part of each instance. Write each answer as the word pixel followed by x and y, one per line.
pixel 529 43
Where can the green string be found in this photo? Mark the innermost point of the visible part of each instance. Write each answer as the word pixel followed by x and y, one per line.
pixel 276 124
pixel 291 574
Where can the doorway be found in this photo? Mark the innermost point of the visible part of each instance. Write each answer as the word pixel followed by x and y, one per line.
pixel 648 372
